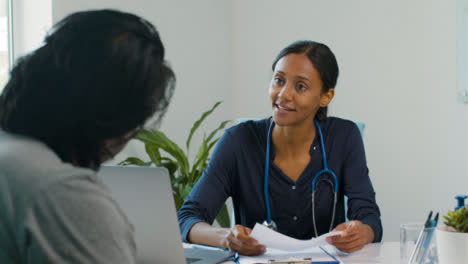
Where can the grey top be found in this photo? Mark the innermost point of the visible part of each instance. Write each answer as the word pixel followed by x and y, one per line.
pixel 52 212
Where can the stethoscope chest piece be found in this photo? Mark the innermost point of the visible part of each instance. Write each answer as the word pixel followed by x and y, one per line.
pixel 272 225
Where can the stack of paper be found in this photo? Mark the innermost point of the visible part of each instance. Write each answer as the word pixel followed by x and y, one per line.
pixel 282 247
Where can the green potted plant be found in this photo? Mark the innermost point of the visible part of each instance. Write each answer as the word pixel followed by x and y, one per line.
pixel 162 151
pixel 452 238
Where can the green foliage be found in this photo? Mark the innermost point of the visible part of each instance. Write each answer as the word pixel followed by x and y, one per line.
pixel 183 176
pixel 458 220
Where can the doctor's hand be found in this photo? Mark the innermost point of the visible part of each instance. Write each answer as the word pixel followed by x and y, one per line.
pixel 355 235
pixel 238 239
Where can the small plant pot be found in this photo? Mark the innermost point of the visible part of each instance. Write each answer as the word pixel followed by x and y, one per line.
pixel 452 247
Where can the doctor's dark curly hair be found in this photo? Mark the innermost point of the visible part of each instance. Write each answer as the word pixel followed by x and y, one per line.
pixel 99 76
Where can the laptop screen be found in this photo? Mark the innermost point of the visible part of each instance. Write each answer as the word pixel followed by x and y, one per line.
pixel 144 194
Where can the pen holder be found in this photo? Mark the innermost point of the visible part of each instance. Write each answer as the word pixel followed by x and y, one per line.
pixel 409 234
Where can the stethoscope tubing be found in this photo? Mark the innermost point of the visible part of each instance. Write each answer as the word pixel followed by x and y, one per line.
pixel 267 168
pixel 269 222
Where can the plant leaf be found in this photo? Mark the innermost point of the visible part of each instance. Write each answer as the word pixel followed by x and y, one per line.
pixel 154 154
pixel 221 126
pixel 198 123
pixel 177 181
pixel 201 157
pixel 170 165
pixel 178 201
pixel 183 178
pixel 223 217
pixel 185 191
pixel 197 172
pixel 132 161
pixel 160 140
pixel 212 144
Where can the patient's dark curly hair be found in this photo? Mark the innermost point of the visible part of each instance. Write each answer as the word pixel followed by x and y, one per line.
pixel 99 75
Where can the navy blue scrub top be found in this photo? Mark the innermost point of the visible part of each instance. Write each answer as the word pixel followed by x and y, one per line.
pixel 237 166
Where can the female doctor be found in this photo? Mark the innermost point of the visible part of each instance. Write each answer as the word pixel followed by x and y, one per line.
pixel 289 171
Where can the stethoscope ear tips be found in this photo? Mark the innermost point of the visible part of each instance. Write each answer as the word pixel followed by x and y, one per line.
pixel 272 225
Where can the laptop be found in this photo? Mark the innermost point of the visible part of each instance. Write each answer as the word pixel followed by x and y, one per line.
pixel 144 194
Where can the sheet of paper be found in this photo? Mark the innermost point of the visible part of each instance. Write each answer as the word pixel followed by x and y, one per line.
pixel 274 240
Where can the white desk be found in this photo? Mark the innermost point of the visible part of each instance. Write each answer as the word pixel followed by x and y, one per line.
pixel 377 253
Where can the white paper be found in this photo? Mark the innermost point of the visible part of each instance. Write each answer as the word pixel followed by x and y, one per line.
pixel 274 240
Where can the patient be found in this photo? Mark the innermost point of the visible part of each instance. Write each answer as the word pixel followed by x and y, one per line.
pixel 69 106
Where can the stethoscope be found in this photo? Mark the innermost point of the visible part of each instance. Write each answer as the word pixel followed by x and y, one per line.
pixel 269 222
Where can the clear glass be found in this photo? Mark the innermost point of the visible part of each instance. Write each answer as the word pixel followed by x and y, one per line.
pixel 409 234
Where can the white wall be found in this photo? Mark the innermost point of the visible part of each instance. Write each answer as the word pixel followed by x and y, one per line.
pixel 31 20
pixel 397 60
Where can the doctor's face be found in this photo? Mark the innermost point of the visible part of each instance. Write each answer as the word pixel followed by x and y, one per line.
pixel 296 91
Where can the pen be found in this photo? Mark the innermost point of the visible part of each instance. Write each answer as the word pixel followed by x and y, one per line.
pixel 427 241
pixel 428 221
pixel 305 261
pixel 436 219
pixel 422 237
pixel 236 257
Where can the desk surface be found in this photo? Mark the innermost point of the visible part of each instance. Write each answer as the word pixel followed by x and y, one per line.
pixel 376 253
